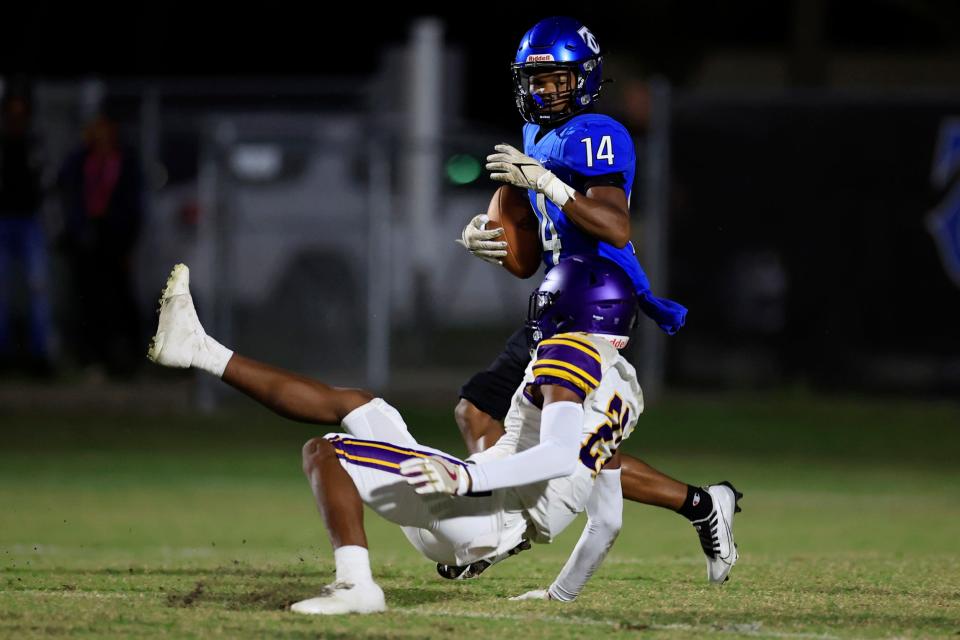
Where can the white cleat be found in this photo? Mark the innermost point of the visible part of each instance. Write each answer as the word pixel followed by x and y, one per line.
pixel 179 332
pixel 716 532
pixel 343 597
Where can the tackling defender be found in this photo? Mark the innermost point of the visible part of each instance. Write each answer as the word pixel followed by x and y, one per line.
pixel 578 400
pixel 578 169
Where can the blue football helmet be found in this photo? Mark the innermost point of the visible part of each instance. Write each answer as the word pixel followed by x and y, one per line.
pixel 584 293
pixel 562 45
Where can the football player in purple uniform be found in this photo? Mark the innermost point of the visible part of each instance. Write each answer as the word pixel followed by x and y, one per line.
pixel 576 402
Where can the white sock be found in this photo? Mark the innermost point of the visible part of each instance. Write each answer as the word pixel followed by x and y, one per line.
pixel 353 564
pixel 212 357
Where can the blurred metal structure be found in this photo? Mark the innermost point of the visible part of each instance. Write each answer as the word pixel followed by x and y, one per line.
pixel 379 260
pixel 313 243
pixel 656 233
pixel 284 251
pixel 313 211
pixel 421 138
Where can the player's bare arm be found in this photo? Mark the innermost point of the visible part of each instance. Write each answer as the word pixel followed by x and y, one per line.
pixel 550 393
pixel 185 344
pixel 602 213
pixel 613 463
pixel 292 395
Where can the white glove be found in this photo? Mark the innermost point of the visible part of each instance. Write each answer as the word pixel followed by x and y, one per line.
pixel 435 475
pixel 479 241
pixel 537 594
pixel 514 167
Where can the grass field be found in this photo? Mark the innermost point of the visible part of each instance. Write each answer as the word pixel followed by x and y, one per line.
pixel 193 526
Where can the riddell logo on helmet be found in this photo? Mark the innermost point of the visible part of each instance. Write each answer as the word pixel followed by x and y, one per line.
pixel 617 342
pixel 540 57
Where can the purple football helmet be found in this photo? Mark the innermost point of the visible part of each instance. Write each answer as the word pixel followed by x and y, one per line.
pixel 583 293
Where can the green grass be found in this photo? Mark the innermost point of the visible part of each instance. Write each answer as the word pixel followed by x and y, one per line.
pixel 193 526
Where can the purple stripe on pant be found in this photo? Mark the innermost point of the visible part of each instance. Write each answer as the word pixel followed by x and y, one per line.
pixel 383 458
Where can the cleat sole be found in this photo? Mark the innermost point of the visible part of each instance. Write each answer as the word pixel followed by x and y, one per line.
pixel 473 570
pixel 179 274
pixel 178 269
pixel 156 344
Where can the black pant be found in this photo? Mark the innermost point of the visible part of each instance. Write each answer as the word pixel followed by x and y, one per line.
pixel 492 390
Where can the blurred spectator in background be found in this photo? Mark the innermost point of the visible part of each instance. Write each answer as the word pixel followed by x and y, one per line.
pixel 102 188
pixel 23 249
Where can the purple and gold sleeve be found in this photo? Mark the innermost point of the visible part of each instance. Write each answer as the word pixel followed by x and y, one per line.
pixel 569 361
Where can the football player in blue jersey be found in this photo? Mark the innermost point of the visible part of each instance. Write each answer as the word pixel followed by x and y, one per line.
pixel 578 166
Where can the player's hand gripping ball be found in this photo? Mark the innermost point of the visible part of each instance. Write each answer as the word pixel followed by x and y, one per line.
pixel 481 241
pixel 512 166
pixel 510 211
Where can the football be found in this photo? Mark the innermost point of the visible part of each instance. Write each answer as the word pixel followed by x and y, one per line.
pixel 509 208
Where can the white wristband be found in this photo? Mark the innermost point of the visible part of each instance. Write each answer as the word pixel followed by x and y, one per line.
pixel 554 188
pixel 463 481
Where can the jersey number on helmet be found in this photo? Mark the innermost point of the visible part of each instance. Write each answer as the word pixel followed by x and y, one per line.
pixel 604 152
pixel 603 442
pixel 589 39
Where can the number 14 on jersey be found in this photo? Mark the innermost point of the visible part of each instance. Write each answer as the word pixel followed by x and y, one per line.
pixel 604 151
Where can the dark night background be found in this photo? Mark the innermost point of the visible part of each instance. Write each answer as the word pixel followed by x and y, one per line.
pixel 802 130
pixel 296 39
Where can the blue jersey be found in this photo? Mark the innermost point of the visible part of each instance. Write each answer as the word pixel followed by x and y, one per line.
pixel 589 147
